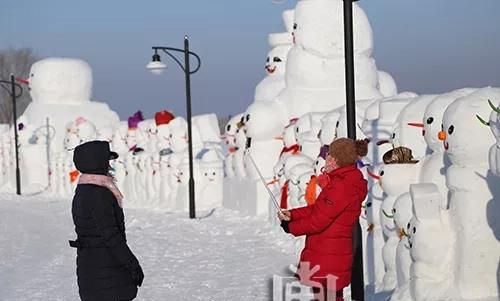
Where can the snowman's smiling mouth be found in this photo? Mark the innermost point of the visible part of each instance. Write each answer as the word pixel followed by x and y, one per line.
pixel 270 69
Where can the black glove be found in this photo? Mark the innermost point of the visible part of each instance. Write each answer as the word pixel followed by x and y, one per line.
pixel 285 226
pixel 136 274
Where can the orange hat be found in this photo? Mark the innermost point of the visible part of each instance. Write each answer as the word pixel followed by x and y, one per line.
pixel 163 117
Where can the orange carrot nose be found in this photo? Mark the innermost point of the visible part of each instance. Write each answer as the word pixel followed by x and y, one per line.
pixel 416 124
pixel 278 138
pixel 442 135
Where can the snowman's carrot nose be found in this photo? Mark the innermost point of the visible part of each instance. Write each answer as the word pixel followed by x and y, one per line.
pixel 278 138
pixel 416 124
pixel 371 174
pixel 23 81
pixel 442 136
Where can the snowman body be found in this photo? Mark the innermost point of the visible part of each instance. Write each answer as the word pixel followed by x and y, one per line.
pixel 396 180
pixel 431 246
pixel 467 144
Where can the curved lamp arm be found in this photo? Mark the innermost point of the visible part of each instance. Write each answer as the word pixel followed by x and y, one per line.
pixel 18 86
pixel 167 50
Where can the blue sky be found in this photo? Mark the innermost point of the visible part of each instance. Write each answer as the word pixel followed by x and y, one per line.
pixel 429 46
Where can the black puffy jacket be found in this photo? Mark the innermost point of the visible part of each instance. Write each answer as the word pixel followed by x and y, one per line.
pixel 104 261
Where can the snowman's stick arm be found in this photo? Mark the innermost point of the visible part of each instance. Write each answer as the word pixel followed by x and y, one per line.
pixel 271 194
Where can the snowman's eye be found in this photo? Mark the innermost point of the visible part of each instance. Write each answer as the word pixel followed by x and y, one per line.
pixel 276 59
pixel 297 130
pixel 319 134
pixel 337 124
pixel 382 173
pixel 294 26
pixel 228 128
pixel 393 210
pixel 213 174
pixel 430 120
pixel 368 205
pixel 414 230
pixel 451 129
pixel 408 226
pixel 267 60
pixel 248 117
pixel 206 174
pixel 32 75
pixel 393 135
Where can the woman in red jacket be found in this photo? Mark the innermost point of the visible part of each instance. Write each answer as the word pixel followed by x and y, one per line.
pixel 328 224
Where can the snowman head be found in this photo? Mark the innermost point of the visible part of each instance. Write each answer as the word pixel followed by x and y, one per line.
pixel 408 130
pixel 319 27
pixel 79 131
pixel 465 139
pixel 328 127
pixel 276 60
pixel 397 178
pixel 119 142
pixel 427 236
pixel 178 135
pixel 402 212
pixel 60 81
pixel 302 126
pixel 433 117
pixel 163 136
pixel 230 131
pixel 289 134
pixel 265 121
pixel 318 165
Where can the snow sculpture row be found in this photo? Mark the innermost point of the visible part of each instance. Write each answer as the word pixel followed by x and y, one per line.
pixel 152 170
pixel 431 217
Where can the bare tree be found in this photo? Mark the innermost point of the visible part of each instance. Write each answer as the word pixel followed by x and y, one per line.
pixel 17 62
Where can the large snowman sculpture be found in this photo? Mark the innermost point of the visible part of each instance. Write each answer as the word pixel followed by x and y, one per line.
pixel 315 79
pixel 61 90
pixel 467 143
pixel 274 82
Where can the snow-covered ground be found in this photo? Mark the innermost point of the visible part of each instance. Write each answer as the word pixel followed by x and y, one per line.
pixel 222 257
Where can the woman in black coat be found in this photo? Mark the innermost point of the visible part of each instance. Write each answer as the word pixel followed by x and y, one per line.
pixel 107 269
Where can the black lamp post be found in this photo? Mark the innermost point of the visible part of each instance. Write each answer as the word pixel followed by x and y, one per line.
pixel 357 281
pixel 12 92
pixel 157 67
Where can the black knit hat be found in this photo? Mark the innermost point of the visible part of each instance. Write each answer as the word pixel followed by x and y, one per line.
pixel 93 157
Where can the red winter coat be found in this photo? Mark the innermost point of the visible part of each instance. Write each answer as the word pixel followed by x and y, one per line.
pixel 328 225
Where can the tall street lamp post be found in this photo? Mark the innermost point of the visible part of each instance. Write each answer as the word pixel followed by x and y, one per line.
pixel 157 67
pixel 12 92
pixel 357 281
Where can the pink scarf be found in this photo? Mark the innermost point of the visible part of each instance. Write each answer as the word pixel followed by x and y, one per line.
pixel 103 181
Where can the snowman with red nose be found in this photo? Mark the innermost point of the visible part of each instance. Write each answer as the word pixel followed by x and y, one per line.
pixel 467 142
